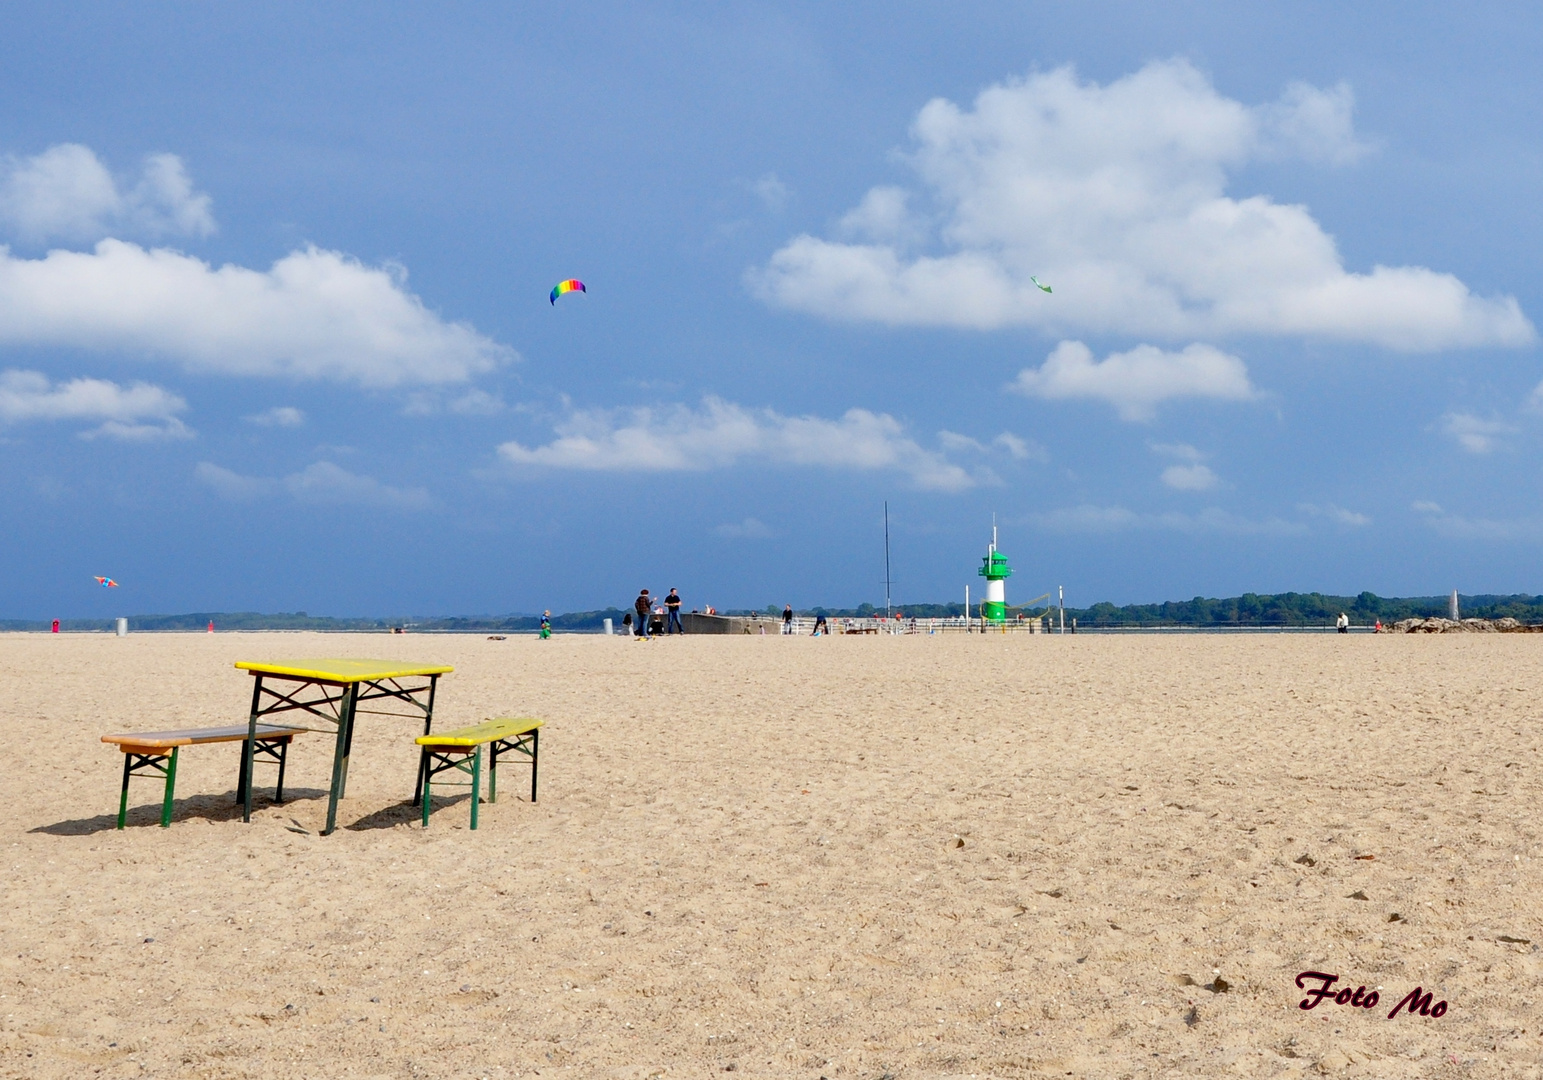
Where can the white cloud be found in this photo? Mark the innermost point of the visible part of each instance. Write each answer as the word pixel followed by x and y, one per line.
pixel 138 412
pixel 1021 448
pixel 1108 519
pixel 233 485
pixel 1182 451
pixel 476 403
pixel 171 428
pixel 473 402
pixel 66 193
pixel 1456 527
pixel 1311 123
pixel 1192 475
pixel 1116 196
pixel 278 416
pixel 1137 381
pixel 749 529
pixel 721 434
pixel 1475 434
pixel 321 483
pixel 324 482
pixel 952 440
pixel 772 192
pixel 1014 446
pixel 314 315
pixel 1189 477
pixel 884 217
pixel 1337 514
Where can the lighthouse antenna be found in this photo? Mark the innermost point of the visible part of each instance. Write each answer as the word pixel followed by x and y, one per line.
pixel 886 558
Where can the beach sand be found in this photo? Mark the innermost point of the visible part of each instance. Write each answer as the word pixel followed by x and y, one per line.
pixel 846 857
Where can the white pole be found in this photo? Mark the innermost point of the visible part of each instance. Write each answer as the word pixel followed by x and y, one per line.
pixel 1061 602
pixel 967 609
pixel 123 628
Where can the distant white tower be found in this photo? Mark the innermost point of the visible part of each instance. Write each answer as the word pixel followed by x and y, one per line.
pixel 1452 607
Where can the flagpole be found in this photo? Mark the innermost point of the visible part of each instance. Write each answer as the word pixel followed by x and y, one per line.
pixel 886 558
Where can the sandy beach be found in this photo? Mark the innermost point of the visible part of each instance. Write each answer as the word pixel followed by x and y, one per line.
pixel 1086 856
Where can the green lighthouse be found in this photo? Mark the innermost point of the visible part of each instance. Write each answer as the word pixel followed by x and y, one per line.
pixel 995 570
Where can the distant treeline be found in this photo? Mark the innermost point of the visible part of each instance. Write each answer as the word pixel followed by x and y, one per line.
pixel 1250 609
pixel 299 620
pixel 1305 609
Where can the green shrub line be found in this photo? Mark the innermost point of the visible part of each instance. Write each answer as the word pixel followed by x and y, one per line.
pixel 1248 610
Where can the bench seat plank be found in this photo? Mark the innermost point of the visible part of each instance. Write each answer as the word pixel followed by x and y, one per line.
pixel 194 736
pixel 506 727
pixel 461 750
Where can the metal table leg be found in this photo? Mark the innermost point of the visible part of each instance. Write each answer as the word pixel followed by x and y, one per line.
pixel 340 755
pixel 247 748
pixel 428 724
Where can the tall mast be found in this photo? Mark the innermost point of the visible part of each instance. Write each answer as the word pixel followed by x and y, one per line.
pixel 886 558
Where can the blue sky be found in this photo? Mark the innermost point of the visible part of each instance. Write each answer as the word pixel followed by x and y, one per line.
pixel 274 330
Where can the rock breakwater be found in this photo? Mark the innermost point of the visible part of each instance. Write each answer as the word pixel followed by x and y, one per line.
pixel 1460 626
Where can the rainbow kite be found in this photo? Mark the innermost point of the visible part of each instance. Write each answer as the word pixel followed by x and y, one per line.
pixel 571 285
pixel 107 583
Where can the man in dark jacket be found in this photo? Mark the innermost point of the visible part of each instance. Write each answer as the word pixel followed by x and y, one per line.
pixel 672 610
pixel 643 606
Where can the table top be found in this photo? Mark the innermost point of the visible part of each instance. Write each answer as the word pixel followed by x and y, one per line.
pixel 340 670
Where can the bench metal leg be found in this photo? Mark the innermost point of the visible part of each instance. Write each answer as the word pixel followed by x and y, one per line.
pixel 476 783
pixel 171 781
pixel 276 750
pixel 431 763
pixel 165 765
pixel 278 794
pixel 529 745
pixel 241 775
pixel 423 783
pixel 123 802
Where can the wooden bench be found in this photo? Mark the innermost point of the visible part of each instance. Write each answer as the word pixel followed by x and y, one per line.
pixel 462 750
pixel 156 752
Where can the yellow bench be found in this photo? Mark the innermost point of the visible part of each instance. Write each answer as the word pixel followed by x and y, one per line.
pixel 156 752
pixel 462 750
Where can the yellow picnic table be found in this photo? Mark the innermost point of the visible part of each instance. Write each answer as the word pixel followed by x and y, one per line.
pixel 332 689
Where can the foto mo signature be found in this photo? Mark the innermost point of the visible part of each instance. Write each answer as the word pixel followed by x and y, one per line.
pixel 1417 1001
